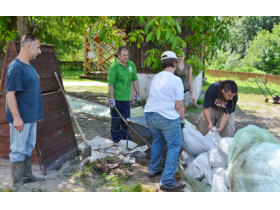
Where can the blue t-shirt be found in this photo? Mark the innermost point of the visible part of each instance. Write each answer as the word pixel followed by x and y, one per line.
pixel 23 79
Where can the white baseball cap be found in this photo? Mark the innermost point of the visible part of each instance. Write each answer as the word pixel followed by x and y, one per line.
pixel 169 54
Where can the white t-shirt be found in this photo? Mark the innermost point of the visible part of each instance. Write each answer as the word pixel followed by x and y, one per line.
pixel 165 90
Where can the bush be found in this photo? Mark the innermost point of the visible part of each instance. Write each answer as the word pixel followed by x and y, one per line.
pixel 200 101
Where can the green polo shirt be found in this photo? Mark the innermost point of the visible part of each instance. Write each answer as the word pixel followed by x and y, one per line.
pixel 121 78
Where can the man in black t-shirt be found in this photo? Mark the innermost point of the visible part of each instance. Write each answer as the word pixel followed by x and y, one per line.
pixel 218 109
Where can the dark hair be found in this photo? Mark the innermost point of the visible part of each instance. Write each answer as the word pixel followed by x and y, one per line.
pixel 227 85
pixel 28 38
pixel 169 62
pixel 121 49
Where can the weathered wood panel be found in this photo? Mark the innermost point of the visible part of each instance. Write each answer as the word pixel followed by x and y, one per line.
pixel 56 142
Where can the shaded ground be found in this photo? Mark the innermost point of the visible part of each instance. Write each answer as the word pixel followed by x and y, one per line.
pixel 133 177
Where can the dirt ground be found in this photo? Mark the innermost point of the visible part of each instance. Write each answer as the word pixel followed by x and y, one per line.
pixel 70 178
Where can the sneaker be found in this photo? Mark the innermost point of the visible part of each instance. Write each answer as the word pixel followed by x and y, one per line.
pixel 155 174
pixel 177 186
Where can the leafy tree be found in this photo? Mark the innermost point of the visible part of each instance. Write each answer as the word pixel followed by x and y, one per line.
pixel 244 29
pixel 195 34
pixel 65 33
pixel 264 52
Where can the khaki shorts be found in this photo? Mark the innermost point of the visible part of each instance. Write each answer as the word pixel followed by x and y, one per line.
pixel 186 99
pixel 202 124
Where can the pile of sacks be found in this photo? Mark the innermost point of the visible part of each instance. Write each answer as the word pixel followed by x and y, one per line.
pixel 206 157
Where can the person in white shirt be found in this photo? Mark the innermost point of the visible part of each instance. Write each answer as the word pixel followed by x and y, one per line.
pixel 164 115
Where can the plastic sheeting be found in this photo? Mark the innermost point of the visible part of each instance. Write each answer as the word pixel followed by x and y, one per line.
pixel 80 105
pixel 254 161
pixel 104 148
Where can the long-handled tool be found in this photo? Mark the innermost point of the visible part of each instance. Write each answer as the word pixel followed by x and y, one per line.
pixel 131 127
pixel 87 149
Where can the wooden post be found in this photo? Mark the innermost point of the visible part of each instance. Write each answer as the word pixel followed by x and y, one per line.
pixel 85 53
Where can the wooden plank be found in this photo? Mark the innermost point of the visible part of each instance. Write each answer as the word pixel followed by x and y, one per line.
pixel 5 139
pixel 44 60
pixel 46 67
pixel 52 104
pixel 52 97
pixel 4 132
pixel 56 159
pixel 62 139
pixel 51 126
pixel 47 55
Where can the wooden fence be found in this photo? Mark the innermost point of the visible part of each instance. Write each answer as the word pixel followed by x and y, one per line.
pixel 244 75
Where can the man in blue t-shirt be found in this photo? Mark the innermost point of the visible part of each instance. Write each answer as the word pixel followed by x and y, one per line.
pixel 218 109
pixel 23 110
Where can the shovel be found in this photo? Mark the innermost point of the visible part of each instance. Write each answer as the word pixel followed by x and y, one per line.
pixel 87 149
pixel 131 127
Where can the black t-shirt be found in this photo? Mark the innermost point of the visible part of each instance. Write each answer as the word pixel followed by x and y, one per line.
pixel 211 99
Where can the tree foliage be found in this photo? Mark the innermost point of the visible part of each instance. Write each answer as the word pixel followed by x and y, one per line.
pixel 264 52
pixel 244 29
pixel 200 33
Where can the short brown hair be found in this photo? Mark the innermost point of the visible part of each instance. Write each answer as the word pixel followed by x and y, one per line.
pixel 28 38
pixel 169 62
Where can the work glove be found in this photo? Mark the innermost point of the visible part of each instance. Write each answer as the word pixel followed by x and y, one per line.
pixel 182 122
pixel 137 97
pixel 112 102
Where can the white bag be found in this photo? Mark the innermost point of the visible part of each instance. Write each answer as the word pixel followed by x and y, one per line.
pixel 222 173
pixel 202 163
pixel 194 172
pixel 217 185
pixel 194 143
pixel 186 158
pixel 216 159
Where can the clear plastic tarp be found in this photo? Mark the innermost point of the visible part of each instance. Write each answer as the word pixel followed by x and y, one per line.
pixel 80 105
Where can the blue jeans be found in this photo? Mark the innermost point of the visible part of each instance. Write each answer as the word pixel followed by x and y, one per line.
pixel 167 130
pixel 118 126
pixel 22 143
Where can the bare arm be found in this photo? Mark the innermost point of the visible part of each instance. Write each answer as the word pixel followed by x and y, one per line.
pixel 191 84
pixel 179 106
pixel 208 118
pixel 223 123
pixel 136 86
pixel 111 91
pixel 12 103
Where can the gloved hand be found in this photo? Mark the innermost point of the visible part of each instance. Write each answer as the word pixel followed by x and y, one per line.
pixel 112 102
pixel 182 122
pixel 137 97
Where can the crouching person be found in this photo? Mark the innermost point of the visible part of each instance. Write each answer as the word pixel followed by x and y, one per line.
pixel 23 110
pixel 218 109
pixel 164 115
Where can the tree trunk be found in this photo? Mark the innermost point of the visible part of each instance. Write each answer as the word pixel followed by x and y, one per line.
pixel 23 26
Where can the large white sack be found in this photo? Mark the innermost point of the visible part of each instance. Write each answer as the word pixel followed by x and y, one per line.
pixel 202 163
pixel 194 172
pixel 186 158
pixel 218 185
pixel 222 173
pixel 194 143
pixel 216 159
pixel 219 157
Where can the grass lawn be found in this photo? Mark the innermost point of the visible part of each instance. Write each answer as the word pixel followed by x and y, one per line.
pixel 73 76
pixel 248 91
pixel 92 89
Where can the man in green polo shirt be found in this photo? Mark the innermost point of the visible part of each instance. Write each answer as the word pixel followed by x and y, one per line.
pixel 120 75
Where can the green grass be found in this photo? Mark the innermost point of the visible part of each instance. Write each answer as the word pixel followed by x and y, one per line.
pixel 90 89
pixel 73 76
pixel 248 91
